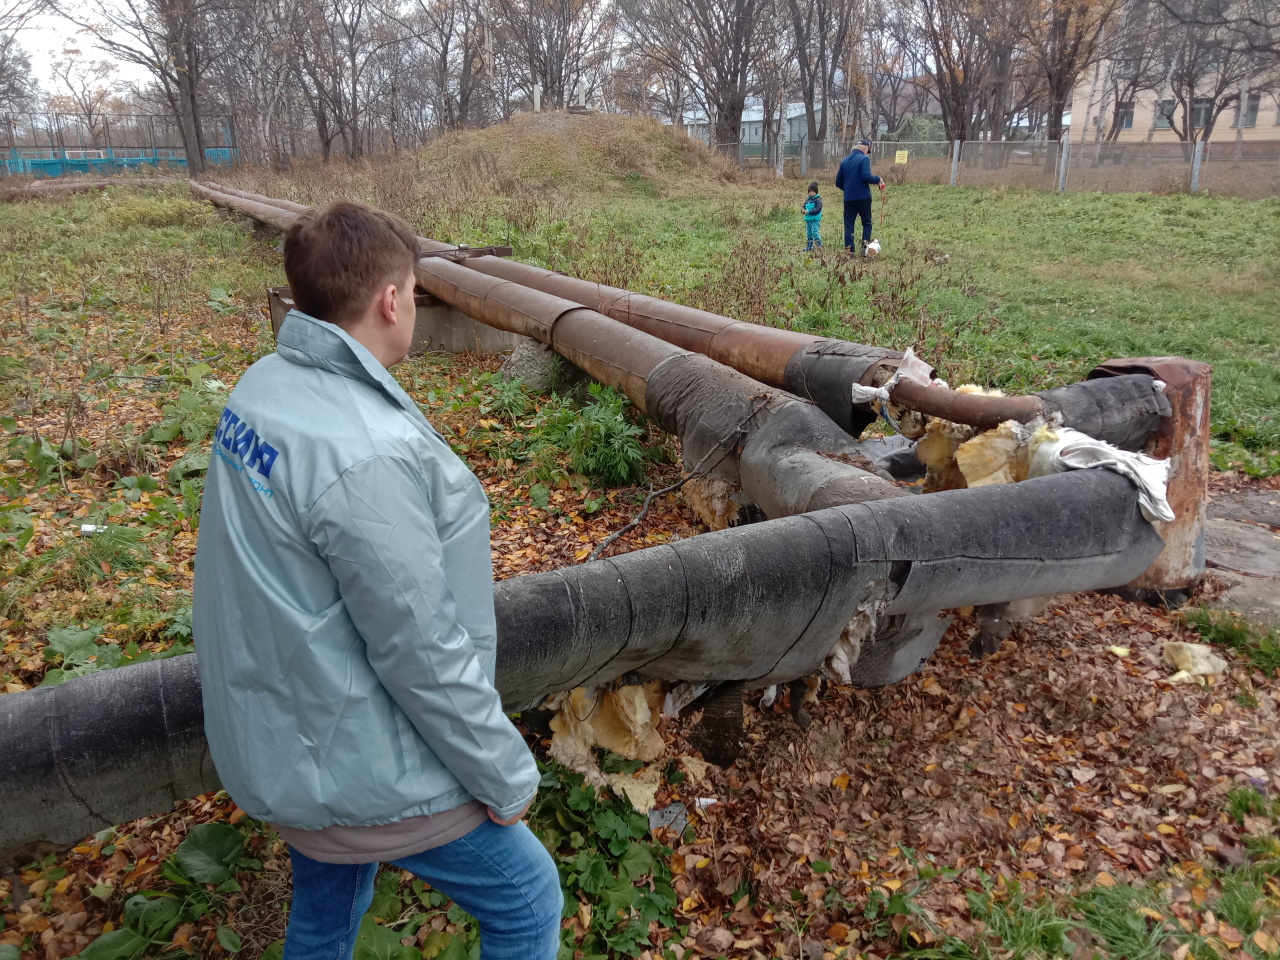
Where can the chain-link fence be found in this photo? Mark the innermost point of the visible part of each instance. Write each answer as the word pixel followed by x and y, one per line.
pixel 57 144
pixel 1241 169
pixel 1248 170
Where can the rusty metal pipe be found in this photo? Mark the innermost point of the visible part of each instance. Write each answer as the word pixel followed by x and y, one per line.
pixel 267 213
pixel 1183 439
pixel 984 413
pixel 820 369
pixel 257 197
pixel 709 406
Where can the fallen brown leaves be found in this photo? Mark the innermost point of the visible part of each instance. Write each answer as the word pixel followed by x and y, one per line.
pixel 1055 763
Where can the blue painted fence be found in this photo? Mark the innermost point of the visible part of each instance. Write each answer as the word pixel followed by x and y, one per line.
pixel 55 163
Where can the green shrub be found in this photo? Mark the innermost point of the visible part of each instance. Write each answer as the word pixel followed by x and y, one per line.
pixel 601 442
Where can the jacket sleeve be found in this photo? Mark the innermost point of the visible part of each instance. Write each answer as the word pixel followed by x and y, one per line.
pixel 867 175
pixel 840 176
pixel 375 528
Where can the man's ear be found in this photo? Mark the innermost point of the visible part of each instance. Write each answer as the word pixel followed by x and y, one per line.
pixel 387 303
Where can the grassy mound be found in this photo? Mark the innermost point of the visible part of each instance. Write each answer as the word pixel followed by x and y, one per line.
pixel 530 155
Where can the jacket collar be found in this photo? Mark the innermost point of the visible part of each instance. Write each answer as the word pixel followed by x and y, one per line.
pixel 309 342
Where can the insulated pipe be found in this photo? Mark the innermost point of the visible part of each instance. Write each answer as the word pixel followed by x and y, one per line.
pixel 785 454
pixel 823 369
pixel 759 604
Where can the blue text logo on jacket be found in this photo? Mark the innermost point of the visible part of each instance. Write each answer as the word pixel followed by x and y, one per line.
pixel 239 439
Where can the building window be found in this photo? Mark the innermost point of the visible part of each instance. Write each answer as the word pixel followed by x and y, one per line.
pixel 1201 111
pixel 1164 111
pixel 1250 111
pixel 1124 114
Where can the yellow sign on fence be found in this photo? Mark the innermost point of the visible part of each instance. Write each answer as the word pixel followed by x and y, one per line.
pixel 901 156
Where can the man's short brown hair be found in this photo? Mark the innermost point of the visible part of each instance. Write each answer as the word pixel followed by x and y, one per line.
pixel 338 257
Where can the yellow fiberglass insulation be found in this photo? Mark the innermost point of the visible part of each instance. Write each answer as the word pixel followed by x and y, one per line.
pixel 996 456
pixel 937 450
pixel 623 720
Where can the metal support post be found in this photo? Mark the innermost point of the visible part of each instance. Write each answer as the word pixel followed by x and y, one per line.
pixel 955 161
pixel 1182 439
pixel 1063 165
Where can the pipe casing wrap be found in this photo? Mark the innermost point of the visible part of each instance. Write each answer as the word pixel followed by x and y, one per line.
pixel 762 603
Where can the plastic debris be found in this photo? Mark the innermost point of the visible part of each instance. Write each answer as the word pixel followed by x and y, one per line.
pixel 1061 449
pixel 674 817
pixel 911 367
pixel 1120 652
pixel 1192 660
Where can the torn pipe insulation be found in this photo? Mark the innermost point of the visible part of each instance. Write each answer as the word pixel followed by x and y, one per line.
pixel 759 604
pixel 787 456
pixel 715 410
pixel 1124 411
pixel 823 369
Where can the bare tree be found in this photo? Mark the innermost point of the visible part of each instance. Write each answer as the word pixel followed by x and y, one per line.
pixel 1062 39
pixel 559 43
pixel 163 37
pixel 900 86
pixel 89 88
pixel 970 48
pixel 823 31
pixel 706 42
pixel 1208 63
pixel 454 62
pixel 17 86
pixel 251 65
pixel 337 46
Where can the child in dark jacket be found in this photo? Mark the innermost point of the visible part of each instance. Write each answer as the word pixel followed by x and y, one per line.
pixel 813 218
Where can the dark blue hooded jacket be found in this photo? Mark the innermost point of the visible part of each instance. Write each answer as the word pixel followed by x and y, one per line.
pixel 855 177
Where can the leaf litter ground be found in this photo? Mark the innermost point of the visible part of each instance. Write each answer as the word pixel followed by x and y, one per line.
pixel 1056 769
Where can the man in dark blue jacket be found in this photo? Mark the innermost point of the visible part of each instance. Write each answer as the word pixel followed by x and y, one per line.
pixel 855 178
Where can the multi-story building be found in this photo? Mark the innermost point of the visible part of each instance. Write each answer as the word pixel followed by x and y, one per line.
pixel 1155 117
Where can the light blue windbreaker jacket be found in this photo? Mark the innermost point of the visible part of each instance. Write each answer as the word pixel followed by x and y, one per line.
pixel 344 601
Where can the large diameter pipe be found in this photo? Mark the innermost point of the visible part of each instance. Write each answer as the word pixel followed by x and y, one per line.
pixel 819 369
pixel 788 457
pixel 823 369
pixel 760 604
pixel 267 213
pixel 718 418
pixel 424 244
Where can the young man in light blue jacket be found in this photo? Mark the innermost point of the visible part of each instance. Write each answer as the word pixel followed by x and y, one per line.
pixel 344 617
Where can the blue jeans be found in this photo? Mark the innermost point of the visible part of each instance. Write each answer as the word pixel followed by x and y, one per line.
pixel 812 233
pixel 502 876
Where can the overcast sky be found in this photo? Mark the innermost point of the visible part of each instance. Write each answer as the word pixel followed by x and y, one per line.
pixel 46 38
